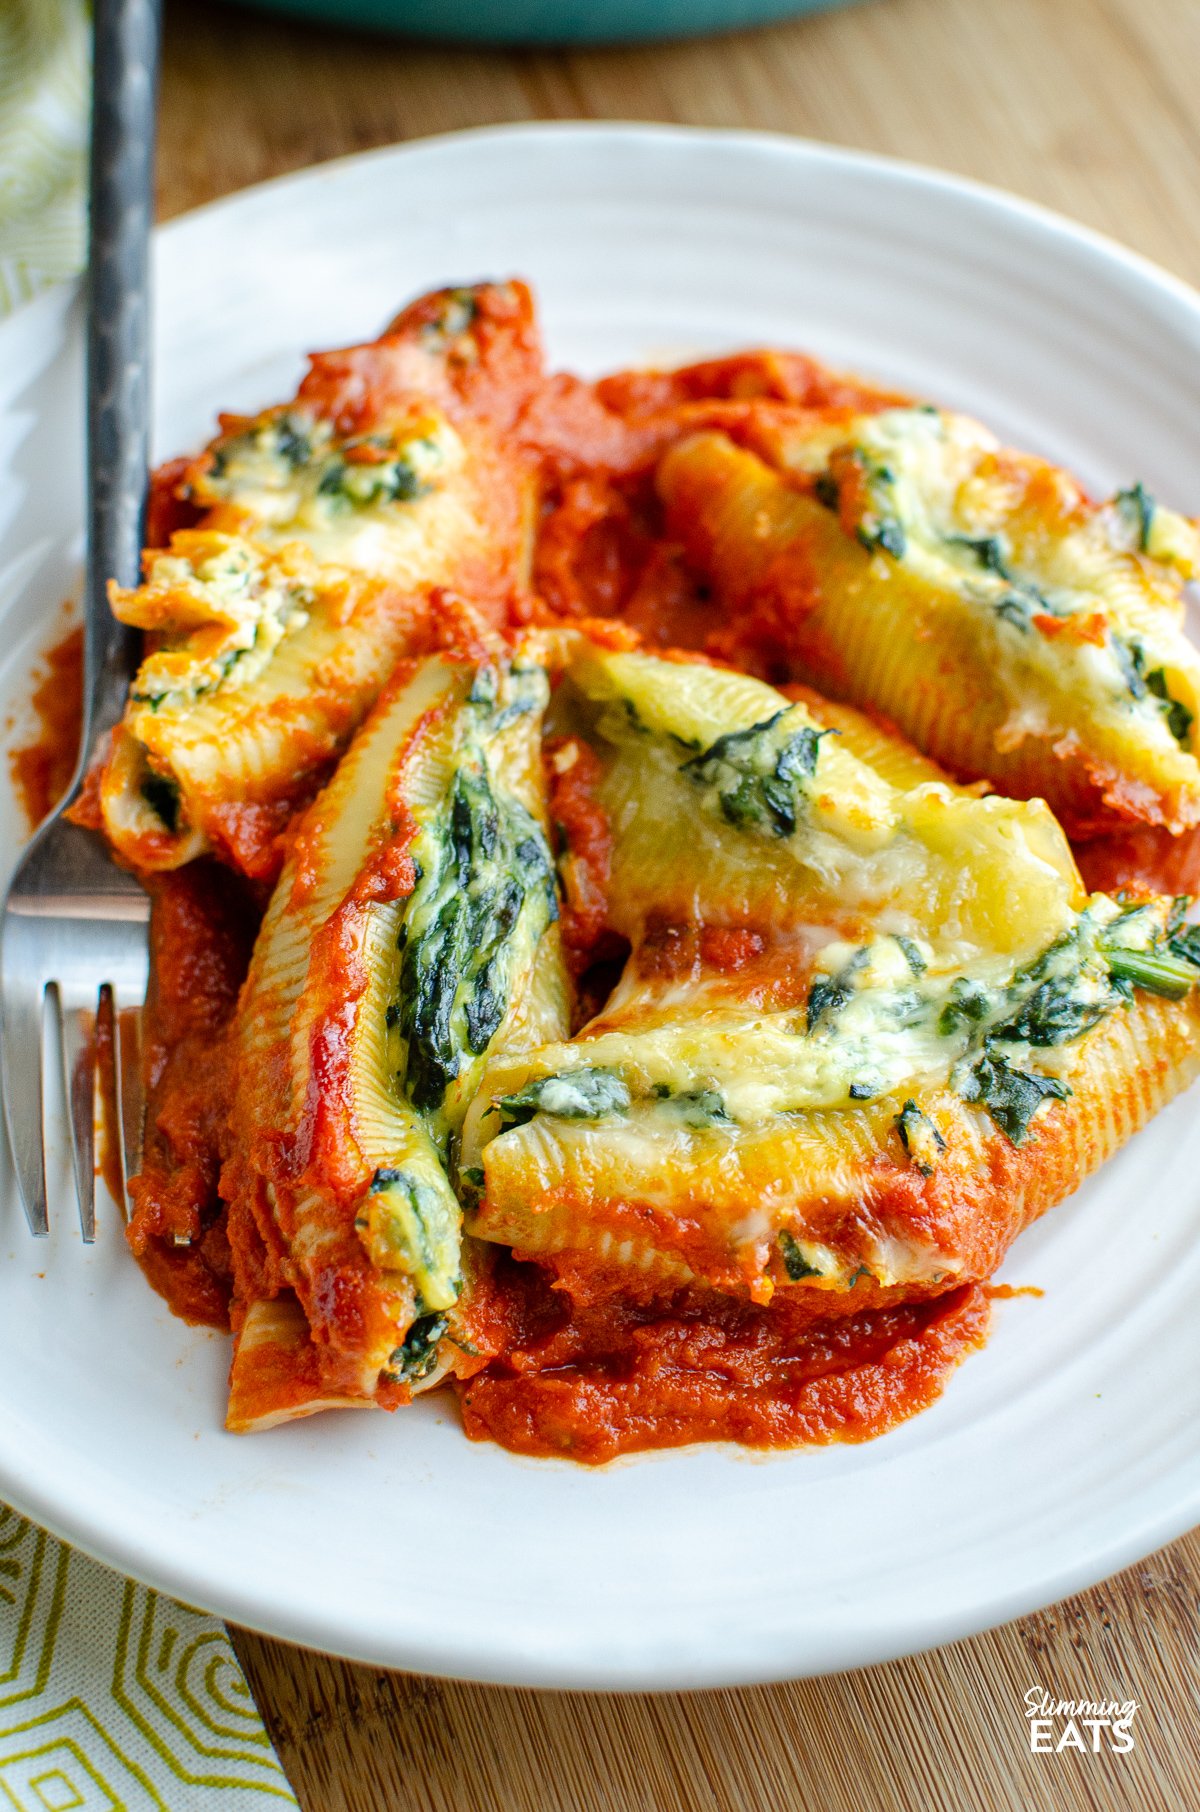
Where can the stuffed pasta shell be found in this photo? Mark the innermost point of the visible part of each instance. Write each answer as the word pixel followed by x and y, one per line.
pixel 868 1027
pixel 1013 629
pixel 412 931
pixel 327 535
pixel 264 664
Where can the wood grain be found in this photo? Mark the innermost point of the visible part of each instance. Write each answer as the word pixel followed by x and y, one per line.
pixel 1088 106
pixel 943 1732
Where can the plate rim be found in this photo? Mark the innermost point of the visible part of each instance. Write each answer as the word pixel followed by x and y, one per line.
pixel 482 1658
pixel 880 164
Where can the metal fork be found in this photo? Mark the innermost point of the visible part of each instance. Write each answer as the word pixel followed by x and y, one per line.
pixel 75 925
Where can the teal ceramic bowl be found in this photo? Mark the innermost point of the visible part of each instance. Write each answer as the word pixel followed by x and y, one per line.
pixel 549 21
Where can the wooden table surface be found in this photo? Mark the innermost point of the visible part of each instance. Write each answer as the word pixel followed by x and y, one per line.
pixel 1090 107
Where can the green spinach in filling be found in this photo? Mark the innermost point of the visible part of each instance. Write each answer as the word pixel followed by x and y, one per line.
pixel 485 892
pixel 757 776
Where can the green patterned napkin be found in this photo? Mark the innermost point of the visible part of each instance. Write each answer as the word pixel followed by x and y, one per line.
pixel 111 1697
pixel 43 144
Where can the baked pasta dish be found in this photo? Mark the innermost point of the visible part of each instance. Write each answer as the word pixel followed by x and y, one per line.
pixel 656 882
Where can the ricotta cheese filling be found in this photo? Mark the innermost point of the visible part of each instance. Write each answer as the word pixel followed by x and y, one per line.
pixel 349 499
pixel 223 614
pixel 1078 612
pixel 881 1018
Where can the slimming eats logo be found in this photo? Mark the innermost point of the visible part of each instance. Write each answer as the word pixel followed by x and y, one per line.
pixel 1094 1725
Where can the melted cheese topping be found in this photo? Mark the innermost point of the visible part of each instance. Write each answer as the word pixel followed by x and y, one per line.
pixel 221 608
pixel 795 847
pixel 1083 601
pixel 372 502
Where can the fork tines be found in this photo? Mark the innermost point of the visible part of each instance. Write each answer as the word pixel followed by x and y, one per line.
pixel 75 930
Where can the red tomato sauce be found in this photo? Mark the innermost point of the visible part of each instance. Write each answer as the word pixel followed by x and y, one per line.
pixel 590 1381
pixel 584 847
pixel 41 769
pixel 1145 859
pixel 203 921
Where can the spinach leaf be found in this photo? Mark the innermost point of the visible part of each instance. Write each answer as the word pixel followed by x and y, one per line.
pixel 1055 1013
pixel 1139 955
pixel 493 869
pixel 417 1357
pixel 920 1138
pixel 1058 998
pixel 161 794
pixel 1142 682
pixel 1136 508
pixel 362 486
pixel 524 689
pixel 884 534
pixel 1016 608
pixel 1131 659
pixel 879 528
pixel 969 1002
pixel 585 1094
pixel 1185 944
pixel 794 1261
pixel 459 308
pixel 758 774
pixel 1179 718
pixel 1022 602
pixel 1158 972
pixel 1011 1096
pixel 293 440
pixel 912 955
pixel 414 1221
pixel 829 993
pixel 987 549
pixel 701 1107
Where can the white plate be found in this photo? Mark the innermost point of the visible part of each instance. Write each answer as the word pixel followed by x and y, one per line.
pixel 1068 1448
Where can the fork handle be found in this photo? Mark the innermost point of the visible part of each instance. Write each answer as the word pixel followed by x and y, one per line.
pixel 124 91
